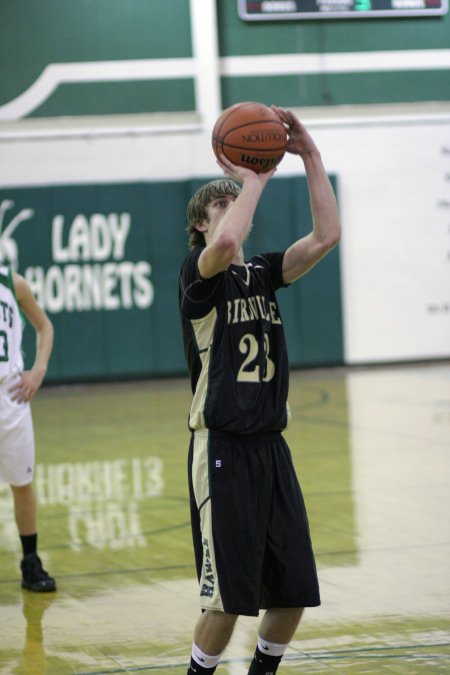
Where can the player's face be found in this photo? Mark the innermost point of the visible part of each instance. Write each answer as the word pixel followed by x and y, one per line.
pixel 216 210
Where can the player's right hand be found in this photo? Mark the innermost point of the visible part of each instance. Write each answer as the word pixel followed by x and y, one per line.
pixel 241 173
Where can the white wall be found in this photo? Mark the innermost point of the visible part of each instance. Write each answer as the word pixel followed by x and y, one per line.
pixel 394 188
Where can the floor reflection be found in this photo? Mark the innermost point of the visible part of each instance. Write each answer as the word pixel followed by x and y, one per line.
pixel 371 447
pixel 33 660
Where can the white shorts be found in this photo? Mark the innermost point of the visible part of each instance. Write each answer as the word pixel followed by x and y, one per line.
pixel 16 439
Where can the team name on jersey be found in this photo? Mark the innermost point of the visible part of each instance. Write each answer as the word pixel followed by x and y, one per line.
pixel 253 308
pixel 6 313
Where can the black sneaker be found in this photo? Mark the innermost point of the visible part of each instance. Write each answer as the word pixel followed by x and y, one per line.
pixel 34 577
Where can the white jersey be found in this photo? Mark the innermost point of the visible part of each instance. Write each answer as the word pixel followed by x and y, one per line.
pixel 11 359
pixel 16 425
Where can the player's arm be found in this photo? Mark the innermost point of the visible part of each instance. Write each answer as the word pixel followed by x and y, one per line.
pixel 31 380
pixel 225 242
pixel 326 232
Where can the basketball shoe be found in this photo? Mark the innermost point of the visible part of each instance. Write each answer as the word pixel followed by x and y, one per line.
pixel 34 577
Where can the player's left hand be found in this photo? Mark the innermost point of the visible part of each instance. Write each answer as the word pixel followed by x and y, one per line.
pixel 299 140
pixel 26 387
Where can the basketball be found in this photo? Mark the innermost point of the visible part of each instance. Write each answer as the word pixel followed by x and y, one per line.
pixel 250 134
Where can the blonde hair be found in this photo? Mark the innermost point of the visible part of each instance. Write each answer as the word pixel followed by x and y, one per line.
pixel 196 208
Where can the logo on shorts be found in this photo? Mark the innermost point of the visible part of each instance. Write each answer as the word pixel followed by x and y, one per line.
pixel 218 463
pixel 207 588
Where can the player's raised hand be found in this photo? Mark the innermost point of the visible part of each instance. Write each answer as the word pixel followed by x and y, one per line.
pixel 240 173
pixel 300 141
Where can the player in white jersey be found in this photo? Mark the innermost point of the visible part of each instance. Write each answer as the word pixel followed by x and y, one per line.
pixel 17 388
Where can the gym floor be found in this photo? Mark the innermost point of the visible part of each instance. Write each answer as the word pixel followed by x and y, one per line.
pixel 372 451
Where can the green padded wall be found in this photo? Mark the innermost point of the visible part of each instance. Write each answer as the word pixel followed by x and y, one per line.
pixel 103 260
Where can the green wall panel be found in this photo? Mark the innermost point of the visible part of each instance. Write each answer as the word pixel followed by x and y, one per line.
pixel 104 260
pixel 112 98
pixel 339 88
pixel 34 33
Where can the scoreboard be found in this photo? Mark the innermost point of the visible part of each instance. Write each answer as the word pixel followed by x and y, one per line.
pixel 276 10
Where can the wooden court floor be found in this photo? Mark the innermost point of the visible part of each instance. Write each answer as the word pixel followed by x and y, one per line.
pixel 372 450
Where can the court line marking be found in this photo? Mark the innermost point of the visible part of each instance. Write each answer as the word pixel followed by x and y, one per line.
pixel 365 653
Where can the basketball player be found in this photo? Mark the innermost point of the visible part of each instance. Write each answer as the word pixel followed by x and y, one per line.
pixel 250 530
pixel 17 388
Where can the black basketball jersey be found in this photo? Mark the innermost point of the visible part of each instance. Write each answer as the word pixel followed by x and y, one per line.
pixel 235 345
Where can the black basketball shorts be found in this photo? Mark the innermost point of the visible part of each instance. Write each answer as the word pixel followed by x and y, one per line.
pixel 249 524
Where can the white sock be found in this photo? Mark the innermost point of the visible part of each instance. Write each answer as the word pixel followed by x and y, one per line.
pixel 270 648
pixel 204 660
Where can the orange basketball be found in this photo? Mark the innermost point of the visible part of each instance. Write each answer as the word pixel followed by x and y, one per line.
pixel 250 134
